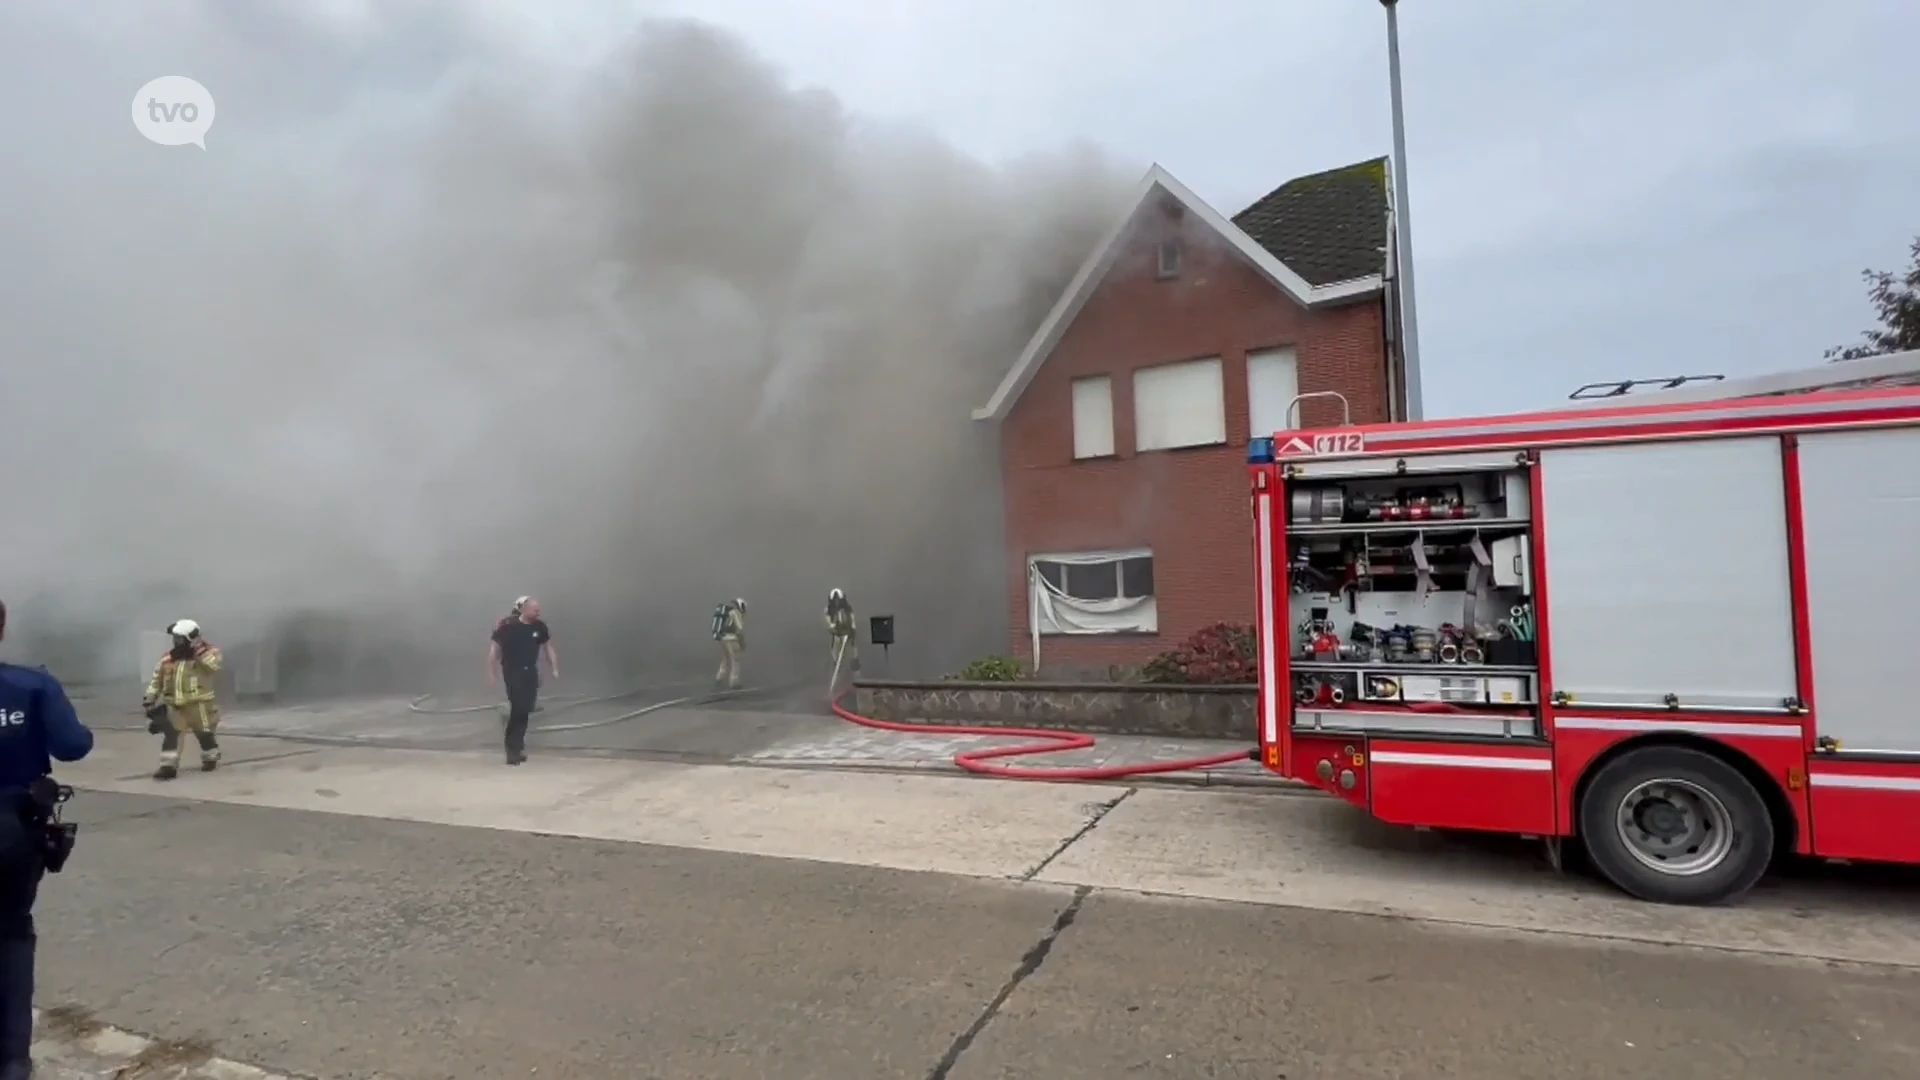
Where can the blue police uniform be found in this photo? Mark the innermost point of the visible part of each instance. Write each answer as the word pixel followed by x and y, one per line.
pixel 37 724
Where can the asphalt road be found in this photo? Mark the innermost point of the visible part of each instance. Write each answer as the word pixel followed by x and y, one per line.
pixel 357 947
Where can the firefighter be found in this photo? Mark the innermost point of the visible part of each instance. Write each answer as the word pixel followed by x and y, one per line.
pixel 843 628
pixel 180 699
pixel 730 630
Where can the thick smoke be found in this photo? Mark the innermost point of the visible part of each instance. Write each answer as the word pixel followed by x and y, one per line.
pixel 434 321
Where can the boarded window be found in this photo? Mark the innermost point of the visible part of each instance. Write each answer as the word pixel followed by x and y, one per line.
pixel 1093 417
pixel 1177 405
pixel 1273 380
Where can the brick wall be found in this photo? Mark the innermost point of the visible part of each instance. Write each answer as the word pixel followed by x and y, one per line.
pixel 1190 506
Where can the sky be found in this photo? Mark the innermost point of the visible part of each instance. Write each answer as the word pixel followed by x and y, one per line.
pixel 1635 189
pixel 466 299
pixel 1598 191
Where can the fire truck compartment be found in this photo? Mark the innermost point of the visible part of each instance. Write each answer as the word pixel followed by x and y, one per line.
pixel 1408 609
pixel 1670 582
pixel 1860 493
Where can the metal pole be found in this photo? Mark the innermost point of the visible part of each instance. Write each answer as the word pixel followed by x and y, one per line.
pixel 1403 224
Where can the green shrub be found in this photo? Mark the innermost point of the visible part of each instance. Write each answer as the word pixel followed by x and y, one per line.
pixel 1219 655
pixel 991 669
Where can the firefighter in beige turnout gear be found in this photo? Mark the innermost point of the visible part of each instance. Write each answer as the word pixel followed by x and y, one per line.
pixel 843 627
pixel 730 630
pixel 180 699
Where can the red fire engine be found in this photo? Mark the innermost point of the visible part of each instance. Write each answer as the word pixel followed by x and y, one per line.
pixel 1679 633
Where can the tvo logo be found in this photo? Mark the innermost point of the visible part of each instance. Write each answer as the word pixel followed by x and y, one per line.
pixel 173 110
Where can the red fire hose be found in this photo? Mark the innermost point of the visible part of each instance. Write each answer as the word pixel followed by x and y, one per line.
pixel 978 762
pixel 1052 742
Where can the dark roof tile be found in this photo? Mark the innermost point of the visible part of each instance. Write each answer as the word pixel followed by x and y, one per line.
pixel 1327 227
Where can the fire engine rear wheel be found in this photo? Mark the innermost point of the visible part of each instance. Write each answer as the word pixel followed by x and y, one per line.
pixel 1676 826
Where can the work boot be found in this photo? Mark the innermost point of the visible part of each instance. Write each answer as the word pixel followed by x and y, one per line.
pixel 166 772
pixel 209 753
pixel 515 757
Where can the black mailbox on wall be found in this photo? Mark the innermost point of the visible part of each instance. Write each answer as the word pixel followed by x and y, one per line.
pixel 881 630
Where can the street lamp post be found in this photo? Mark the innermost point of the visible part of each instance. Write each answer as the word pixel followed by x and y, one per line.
pixel 1403 226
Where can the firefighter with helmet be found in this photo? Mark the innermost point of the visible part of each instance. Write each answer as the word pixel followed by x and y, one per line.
pixel 730 630
pixel 180 699
pixel 843 628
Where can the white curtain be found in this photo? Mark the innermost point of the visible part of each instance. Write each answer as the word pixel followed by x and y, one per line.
pixel 1052 611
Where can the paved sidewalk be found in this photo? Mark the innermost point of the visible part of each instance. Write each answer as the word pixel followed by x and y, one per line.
pixel 852 746
pixel 735 733
pixel 71 1046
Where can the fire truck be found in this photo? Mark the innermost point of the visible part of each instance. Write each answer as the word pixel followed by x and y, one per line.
pixel 1681 634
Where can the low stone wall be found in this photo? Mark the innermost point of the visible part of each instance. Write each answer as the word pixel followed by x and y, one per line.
pixel 1195 712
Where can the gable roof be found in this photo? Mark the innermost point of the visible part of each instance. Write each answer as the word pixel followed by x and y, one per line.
pixel 1294 239
pixel 1330 226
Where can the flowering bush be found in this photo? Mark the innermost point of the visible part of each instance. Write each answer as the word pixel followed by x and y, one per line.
pixel 1219 655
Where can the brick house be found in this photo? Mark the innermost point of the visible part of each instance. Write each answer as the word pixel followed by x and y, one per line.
pixel 1123 424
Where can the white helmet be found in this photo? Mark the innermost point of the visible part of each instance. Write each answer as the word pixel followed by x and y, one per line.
pixel 185 628
pixel 739 603
pixel 520 604
pixel 835 594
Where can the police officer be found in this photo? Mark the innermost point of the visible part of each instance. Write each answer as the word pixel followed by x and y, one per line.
pixel 183 686
pixel 36 721
pixel 842 626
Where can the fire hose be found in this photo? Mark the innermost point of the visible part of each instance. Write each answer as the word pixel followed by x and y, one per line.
pixel 559 704
pixel 981 762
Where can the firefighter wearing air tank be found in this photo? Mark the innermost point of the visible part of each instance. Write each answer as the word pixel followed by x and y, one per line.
pixel 730 630
pixel 842 626
pixel 180 699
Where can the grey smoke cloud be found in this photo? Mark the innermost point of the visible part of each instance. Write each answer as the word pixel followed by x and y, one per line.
pixel 435 321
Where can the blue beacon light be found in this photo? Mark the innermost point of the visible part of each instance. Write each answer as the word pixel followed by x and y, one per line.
pixel 1260 450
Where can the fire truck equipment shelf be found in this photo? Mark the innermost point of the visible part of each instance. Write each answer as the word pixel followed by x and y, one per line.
pixel 1669 632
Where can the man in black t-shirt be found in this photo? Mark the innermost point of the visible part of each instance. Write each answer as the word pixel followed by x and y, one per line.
pixel 515 654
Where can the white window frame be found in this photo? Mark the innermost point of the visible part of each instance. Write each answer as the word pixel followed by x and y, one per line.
pixel 1206 423
pixel 1166 259
pixel 1050 614
pixel 1092 417
pixel 1273 382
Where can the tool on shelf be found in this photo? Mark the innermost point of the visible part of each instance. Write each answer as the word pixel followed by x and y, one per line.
pixel 1519 622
